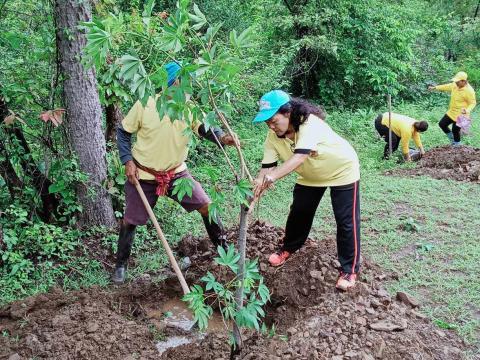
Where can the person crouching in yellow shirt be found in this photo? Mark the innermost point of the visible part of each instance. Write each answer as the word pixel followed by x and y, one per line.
pixel 462 102
pixel 305 143
pixel 404 128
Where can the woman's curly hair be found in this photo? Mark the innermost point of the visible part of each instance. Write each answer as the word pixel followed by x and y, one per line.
pixel 300 110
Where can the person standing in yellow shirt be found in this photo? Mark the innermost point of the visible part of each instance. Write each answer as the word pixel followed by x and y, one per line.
pixel 157 160
pixel 305 143
pixel 462 102
pixel 404 128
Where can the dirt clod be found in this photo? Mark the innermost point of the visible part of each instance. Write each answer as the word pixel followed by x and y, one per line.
pixel 407 299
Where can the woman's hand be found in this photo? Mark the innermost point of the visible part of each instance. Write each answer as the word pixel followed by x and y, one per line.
pixel 131 172
pixel 262 184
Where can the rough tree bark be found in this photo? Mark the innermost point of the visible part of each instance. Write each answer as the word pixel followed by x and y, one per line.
pixel 113 116
pixel 83 111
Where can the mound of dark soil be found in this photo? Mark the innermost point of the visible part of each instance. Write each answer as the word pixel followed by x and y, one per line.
pixel 313 320
pixel 446 162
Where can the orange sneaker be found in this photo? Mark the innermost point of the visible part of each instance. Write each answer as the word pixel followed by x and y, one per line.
pixel 346 281
pixel 278 258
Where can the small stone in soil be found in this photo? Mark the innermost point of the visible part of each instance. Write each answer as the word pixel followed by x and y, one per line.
pixel 92 328
pixel 385 325
pixel 361 321
pixel 382 293
pixel 407 299
pixel 418 315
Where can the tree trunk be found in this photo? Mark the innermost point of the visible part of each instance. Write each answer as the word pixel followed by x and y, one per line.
pixel 40 182
pixel 113 117
pixel 83 112
pixel 7 172
pixel 2 243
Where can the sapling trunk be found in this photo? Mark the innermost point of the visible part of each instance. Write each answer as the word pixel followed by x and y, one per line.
pixel 242 238
pixel 242 246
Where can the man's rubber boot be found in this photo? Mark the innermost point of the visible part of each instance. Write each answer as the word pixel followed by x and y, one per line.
pixel 450 137
pixel 216 232
pixel 457 143
pixel 118 276
pixel 125 241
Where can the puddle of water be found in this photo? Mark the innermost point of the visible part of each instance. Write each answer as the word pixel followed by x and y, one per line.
pixel 180 316
pixel 173 341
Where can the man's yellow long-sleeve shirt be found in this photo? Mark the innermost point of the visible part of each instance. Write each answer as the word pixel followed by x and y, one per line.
pixel 402 126
pixel 460 98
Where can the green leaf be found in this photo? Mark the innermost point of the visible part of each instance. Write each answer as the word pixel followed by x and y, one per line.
pixel 212 32
pixel 229 312
pixel 199 18
pixel 242 191
pixel 215 207
pixel 141 86
pixel 147 12
pixel 170 41
pixel 229 258
pixel 251 269
pixel 203 66
pixel 131 65
pixel 209 121
pixel 212 283
pixel 57 187
pixel 263 292
pixel 183 4
pixel 99 41
pixel 244 40
pixel 182 187
pixel 160 78
pixel 14 39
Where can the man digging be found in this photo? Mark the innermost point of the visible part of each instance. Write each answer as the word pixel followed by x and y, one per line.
pixel 157 160
pixel 462 102
pixel 403 129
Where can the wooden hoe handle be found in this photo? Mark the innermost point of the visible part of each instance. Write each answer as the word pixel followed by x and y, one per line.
pixel 173 262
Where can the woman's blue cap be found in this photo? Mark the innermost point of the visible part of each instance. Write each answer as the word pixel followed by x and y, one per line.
pixel 270 103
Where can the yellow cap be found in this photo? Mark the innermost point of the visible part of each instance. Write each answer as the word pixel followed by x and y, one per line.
pixel 460 76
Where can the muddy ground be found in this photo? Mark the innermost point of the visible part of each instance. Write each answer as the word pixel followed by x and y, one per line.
pixel 313 320
pixel 446 162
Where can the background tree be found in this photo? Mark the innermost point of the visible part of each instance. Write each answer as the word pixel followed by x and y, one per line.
pixel 84 112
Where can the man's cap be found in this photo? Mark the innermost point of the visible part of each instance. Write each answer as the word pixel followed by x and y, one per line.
pixel 270 103
pixel 172 68
pixel 461 75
